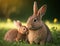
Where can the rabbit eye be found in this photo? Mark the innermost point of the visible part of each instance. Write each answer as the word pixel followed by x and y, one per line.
pixel 35 20
pixel 24 29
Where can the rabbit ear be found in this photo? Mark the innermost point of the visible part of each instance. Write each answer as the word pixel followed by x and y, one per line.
pixel 35 9
pixel 17 23
pixel 42 10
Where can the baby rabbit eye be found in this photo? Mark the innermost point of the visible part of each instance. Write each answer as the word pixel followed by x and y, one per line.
pixel 24 29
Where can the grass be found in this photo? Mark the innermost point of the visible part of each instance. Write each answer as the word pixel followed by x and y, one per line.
pixel 54 27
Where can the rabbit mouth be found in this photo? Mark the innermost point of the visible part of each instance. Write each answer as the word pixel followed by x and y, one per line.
pixel 35 28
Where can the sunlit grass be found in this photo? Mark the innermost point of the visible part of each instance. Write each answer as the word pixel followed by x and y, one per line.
pixel 4 26
pixel 10 24
pixel 52 24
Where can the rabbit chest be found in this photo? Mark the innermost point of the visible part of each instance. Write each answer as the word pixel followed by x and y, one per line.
pixel 37 35
pixel 21 37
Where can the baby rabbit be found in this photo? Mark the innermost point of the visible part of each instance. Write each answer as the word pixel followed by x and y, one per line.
pixel 16 34
pixel 39 33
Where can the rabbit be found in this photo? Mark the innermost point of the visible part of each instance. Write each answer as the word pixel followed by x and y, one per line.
pixel 22 32
pixel 16 34
pixel 39 33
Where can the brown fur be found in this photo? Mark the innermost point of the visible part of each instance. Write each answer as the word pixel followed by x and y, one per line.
pixel 49 35
pixel 38 36
pixel 22 34
pixel 16 34
pixel 38 31
pixel 11 35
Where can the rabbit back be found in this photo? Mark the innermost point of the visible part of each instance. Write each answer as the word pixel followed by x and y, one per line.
pixel 49 35
pixel 11 35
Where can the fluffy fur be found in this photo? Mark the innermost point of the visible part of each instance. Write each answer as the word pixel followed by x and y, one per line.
pixel 38 31
pixel 16 34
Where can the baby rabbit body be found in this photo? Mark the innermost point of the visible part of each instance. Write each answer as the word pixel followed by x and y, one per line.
pixel 38 31
pixel 16 34
pixel 11 35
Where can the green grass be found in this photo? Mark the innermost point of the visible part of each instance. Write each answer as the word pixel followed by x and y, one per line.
pixel 54 27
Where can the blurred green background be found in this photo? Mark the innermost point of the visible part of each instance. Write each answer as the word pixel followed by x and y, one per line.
pixel 22 9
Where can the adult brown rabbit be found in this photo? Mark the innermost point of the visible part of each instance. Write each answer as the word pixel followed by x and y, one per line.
pixel 38 31
pixel 16 34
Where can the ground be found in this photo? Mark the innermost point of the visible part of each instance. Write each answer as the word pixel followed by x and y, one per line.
pixel 5 26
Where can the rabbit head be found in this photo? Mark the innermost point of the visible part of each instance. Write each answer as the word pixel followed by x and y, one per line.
pixel 22 29
pixel 35 21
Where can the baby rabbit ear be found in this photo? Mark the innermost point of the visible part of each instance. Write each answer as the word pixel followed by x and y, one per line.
pixel 42 10
pixel 17 23
pixel 35 9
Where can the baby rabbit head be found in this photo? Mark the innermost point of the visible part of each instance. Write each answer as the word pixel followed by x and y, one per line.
pixel 21 28
pixel 35 21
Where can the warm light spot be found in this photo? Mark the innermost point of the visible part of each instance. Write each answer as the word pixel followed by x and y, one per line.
pixel 55 20
pixel 9 20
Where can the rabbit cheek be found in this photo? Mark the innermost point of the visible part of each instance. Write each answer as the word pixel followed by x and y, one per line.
pixel 36 26
pixel 29 26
